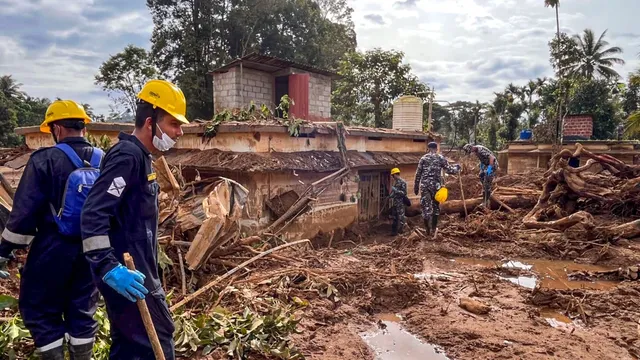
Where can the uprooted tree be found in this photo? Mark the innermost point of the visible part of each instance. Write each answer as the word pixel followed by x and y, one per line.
pixel 571 195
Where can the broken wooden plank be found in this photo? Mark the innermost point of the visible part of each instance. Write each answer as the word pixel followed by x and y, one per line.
pixel 231 272
pixel 219 213
pixel 6 191
pixel 165 178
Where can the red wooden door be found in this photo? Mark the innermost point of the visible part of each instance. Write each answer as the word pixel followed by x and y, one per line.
pixel 299 92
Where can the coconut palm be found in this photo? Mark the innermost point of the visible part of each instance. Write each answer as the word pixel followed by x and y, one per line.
pixel 10 88
pixel 555 4
pixel 594 58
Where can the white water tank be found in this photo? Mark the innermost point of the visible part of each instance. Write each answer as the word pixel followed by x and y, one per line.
pixel 407 113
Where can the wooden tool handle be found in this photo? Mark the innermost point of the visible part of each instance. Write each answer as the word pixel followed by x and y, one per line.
pixel 146 316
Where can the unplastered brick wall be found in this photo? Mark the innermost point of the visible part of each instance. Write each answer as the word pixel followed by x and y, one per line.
pixel 226 93
pixel 233 90
pixel 257 86
pixel 578 125
pixel 319 97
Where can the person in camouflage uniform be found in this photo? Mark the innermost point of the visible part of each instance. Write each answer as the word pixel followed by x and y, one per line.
pixel 398 194
pixel 488 168
pixel 428 181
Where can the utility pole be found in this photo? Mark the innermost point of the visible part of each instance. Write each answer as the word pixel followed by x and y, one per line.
pixel 430 108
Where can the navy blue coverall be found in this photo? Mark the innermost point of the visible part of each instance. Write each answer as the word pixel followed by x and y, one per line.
pixel 57 293
pixel 119 216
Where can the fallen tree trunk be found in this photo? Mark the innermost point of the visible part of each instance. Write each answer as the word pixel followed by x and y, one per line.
pixel 457 206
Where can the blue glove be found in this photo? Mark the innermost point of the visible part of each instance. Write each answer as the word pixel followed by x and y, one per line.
pixel 489 170
pixel 4 274
pixel 127 283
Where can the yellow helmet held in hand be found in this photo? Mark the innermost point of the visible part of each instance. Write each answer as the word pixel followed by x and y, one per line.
pixel 395 171
pixel 166 96
pixel 441 195
pixel 63 110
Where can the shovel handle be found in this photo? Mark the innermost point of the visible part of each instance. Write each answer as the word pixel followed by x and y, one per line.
pixel 146 316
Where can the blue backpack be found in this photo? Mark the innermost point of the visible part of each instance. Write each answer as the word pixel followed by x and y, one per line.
pixel 77 187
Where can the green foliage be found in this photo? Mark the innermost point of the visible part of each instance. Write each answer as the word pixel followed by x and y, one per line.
pixel 7 301
pixel 190 38
pixel 563 54
pixel 15 339
pixel 19 109
pixel 239 333
pixel 8 122
pixel 595 98
pixel 593 58
pixel 103 143
pixel 102 343
pixel 253 113
pixel 123 75
pixel 370 82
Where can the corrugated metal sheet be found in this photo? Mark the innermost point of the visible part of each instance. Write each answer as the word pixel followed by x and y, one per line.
pixel 271 64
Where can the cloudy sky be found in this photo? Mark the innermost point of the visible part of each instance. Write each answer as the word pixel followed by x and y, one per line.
pixel 467 49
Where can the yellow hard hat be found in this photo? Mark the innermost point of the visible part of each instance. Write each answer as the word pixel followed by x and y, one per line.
pixel 62 110
pixel 395 171
pixel 167 97
pixel 441 195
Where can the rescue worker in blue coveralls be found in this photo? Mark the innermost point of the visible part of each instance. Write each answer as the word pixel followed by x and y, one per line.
pixel 58 297
pixel 121 216
pixel 428 181
pixel 398 195
pixel 488 169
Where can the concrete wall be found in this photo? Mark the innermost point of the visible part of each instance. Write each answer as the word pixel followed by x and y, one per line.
pixel 282 142
pixel 226 90
pixel 38 139
pixel 319 97
pixel 231 90
pixel 235 89
pixel 328 213
pixel 523 156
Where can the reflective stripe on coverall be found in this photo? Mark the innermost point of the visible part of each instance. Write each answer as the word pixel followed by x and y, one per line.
pixel 57 294
pixel 119 216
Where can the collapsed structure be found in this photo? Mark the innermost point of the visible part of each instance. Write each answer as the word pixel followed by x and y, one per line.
pixel 277 160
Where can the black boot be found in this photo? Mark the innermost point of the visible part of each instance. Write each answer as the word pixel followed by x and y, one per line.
pixel 53 354
pixel 434 224
pixel 81 352
pixel 427 226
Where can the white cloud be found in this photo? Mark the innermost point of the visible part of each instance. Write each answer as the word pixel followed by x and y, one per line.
pixel 472 48
pixel 466 48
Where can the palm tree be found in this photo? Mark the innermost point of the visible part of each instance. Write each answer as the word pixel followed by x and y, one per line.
pixel 593 58
pixel 10 88
pixel 555 4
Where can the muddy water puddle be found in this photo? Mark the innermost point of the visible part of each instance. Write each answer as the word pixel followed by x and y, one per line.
pixel 551 274
pixel 393 342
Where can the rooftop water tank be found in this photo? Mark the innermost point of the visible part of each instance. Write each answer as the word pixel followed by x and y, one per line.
pixel 407 113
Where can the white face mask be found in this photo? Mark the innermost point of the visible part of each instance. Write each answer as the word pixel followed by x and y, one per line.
pixel 163 144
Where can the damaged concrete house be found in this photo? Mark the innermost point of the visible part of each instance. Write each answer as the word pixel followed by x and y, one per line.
pixel 277 167
pixel 520 156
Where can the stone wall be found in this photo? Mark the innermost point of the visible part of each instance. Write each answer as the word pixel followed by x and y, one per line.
pixel 319 97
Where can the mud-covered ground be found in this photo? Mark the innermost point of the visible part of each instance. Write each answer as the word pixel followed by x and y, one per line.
pixel 400 297
pixel 572 320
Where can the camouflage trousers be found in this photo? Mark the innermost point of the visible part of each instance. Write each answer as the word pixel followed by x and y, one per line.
pixel 399 219
pixel 487 183
pixel 429 204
